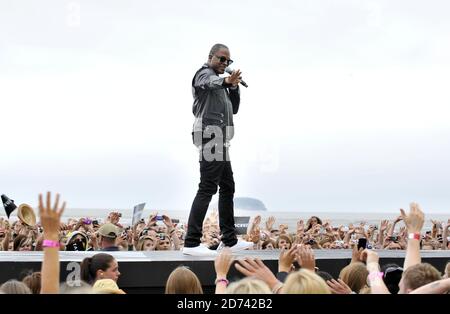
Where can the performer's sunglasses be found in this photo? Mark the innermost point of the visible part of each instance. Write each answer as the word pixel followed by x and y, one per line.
pixel 224 60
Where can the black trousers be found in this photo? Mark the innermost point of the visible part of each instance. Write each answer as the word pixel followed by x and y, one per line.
pixel 213 174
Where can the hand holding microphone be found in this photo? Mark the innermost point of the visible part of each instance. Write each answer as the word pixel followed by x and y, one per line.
pixel 234 78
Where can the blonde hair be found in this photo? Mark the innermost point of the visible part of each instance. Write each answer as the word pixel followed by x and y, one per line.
pixel 75 287
pixel 183 281
pixel 305 282
pixel 248 286
pixel 355 276
pixel 141 242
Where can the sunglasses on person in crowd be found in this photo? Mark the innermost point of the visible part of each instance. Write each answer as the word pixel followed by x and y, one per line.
pixel 223 59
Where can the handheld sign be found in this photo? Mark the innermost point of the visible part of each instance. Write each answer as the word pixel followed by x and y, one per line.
pixel 137 213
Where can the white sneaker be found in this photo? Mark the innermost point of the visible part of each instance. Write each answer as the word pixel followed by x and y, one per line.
pixel 201 250
pixel 241 245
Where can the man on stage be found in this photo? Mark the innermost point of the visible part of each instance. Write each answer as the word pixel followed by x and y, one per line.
pixel 216 99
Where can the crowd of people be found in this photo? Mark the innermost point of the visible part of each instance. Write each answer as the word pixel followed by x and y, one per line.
pixel 297 272
pixel 161 233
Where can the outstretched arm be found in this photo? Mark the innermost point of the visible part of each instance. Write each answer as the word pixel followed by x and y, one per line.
pixel 222 265
pixel 206 81
pixel 435 287
pixel 414 223
pixel 392 228
pixel 375 277
pixel 50 220
pixel 255 268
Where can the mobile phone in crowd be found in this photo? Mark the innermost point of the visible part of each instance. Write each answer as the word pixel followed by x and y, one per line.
pixel 362 243
pixel 159 220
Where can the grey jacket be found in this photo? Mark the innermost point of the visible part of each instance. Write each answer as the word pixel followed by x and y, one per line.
pixel 215 102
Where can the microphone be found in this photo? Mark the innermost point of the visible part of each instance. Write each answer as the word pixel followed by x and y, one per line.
pixel 230 71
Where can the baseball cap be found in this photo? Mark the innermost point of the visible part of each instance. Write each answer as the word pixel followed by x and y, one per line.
pixel 108 230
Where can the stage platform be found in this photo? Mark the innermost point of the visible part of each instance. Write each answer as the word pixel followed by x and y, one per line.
pixel 147 272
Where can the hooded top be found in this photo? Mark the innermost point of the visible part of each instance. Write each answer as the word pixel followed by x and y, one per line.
pixel 77 245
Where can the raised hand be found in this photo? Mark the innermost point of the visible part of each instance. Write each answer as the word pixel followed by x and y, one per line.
pixel 305 258
pixel 51 216
pixel 384 225
pixel 369 256
pixel 223 262
pixel 316 228
pixel 360 230
pixel 257 220
pixel 300 226
pixel 255 268
pixel 168 222
pixel 356 254
pixel 283 228
pixel 286 259
pixel 152 219
pixel 234 79
pixel 436 224
pixel 114 218
pixel 269 223
pixel 415 219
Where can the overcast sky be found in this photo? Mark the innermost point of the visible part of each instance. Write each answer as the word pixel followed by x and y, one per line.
pixel 347 107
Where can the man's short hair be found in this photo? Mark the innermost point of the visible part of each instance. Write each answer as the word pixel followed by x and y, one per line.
pixel 419 275
pixel 216 48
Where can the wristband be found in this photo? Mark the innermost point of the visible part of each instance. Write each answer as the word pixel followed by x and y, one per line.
pixel 222 280
pixel 414 236
pixel 50 243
